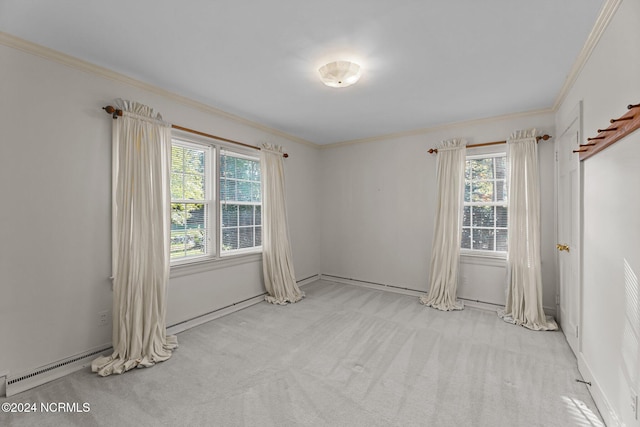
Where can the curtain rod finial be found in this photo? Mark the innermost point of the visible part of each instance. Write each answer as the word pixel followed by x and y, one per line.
pixel 111 110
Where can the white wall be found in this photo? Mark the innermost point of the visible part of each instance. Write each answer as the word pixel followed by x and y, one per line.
pixel 377 209
pixel 55 241
pixel 610 356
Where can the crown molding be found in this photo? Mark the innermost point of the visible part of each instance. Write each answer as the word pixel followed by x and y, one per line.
pixel 453 125
pixel 71 61
pixel 606 14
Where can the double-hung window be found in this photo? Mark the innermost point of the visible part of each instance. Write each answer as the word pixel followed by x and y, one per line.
pixel 191 200
pixel 215 202
pixel 484 224
pixel 240 202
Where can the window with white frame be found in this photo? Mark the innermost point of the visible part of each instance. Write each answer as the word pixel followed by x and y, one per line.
pixel 240 203
pixel 206 223
pixel 484 224
pixel 191 200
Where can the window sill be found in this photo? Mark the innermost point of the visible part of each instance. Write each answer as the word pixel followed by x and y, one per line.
pixel 208 264
pixel 479 258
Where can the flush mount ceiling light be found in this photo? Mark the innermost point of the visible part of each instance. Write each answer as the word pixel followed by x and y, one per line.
pixel 339 73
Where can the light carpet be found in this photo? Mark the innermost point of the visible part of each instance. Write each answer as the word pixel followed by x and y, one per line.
pixel 343 356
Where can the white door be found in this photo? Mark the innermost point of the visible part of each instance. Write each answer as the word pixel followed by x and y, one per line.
pixel 569 234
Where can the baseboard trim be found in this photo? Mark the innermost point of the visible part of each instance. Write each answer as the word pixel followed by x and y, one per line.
pixel 309 280
pixel 481 305
pixel 44 374
pixel 607 412
pixel 241 305
pixel 478 305
pixel 371 285
pixel 212 315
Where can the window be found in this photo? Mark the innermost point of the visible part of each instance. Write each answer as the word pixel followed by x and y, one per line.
pixel 191 203
pixel 240 204
pixel 205 222
pixel 484 223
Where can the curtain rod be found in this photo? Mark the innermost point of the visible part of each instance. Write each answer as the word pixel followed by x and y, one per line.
pixel 117 112
pixel 484 144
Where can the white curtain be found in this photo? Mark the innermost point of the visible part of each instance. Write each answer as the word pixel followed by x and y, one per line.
pixel 277 261
pixel 141 227
pixel 445 253
pixel 524 286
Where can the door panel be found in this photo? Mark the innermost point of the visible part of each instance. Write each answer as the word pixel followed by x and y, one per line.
pixel 569 235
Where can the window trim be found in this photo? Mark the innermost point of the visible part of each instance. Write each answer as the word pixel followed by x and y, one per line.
pixel 477 253
pixel 215 259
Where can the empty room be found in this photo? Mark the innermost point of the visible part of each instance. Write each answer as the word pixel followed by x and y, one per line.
pixel 287 213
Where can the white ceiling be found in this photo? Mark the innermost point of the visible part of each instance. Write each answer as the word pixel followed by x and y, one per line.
pixel 425 62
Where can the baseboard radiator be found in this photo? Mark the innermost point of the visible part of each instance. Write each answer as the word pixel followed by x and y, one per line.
pixel 47 373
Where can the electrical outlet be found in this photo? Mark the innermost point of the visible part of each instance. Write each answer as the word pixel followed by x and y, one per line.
pixel 103 318
pixel 634 404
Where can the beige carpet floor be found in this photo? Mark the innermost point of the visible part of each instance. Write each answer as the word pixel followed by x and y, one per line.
pixel 344 356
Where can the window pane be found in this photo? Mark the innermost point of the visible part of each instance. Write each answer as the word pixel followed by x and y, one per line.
pixel 258 236
pixel 229 239
pixel 482 240
pixel 179 243
pixel 466 216
pixel 227 190
pixel 193 161
pixel 246 237
pixel 467 192
pixel 178 216
pixel 243 169
pixel 200 241
pixel 483 216
pixel 501 167
pixel 482 168
pixel 227 166
pixel 501 191
pixel 229 215
pixel 255 171
pixel 255 192
pixel 246 215
pixel 466 238
pixel 194 187
pixel 501 216
pixel 244 191
pixel 258 215
pixel 501 240
pixel 177 158
pixel 177 186
pixel 482 191
pixel 195 216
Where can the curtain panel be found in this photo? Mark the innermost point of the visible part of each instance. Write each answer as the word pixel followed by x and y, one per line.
pixel 277 260
pixel 445 253
pixel 524 272
pixel 141 226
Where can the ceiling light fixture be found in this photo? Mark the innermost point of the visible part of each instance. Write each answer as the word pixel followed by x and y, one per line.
pixel 339 73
